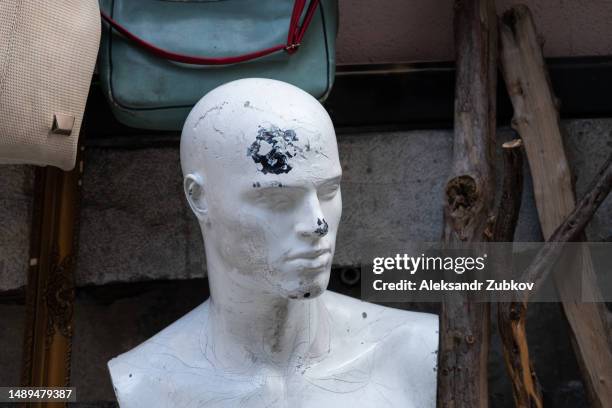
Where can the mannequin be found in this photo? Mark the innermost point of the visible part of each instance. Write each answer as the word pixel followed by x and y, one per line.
pixel 262 176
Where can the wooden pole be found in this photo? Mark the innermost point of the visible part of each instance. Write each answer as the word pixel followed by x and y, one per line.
pixel 536 118
pixel 469 197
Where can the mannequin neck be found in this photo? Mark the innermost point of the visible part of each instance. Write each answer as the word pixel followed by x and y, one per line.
pixel 251 325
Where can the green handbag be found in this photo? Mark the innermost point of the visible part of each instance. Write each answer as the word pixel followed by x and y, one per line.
pixel 159 57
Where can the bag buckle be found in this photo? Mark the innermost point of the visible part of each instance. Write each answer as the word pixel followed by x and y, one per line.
pixel 292 48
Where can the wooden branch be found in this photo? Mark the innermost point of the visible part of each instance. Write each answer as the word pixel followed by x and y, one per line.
pixel 526 388
pixel 512 191
pixel 569 230
pixel 512 315
pixel 537 120
pixel 511 322
pixel 469 196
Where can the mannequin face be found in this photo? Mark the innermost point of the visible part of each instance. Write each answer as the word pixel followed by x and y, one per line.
pixel 269 184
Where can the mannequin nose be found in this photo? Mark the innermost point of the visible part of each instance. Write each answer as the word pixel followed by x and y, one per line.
pixel 317 229
pixel 313 223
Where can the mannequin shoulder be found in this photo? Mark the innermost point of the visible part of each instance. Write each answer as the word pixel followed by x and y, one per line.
pixel 368 322
pixel 147 374
pixel 400 347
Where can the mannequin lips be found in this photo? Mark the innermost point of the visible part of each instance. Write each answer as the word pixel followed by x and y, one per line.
pixel 311 255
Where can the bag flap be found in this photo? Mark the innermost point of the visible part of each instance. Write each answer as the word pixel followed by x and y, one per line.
pixel 210 28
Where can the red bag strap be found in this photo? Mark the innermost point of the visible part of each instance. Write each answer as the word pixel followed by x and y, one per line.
pixel 294 38
pixel 297 32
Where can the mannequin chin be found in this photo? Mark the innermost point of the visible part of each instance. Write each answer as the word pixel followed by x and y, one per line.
pixel 262 176
pixel 310 291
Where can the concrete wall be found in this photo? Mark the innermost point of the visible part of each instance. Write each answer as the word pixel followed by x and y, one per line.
pixel 16 188
pixel 422 30
pixel 12 318
pixel 135 224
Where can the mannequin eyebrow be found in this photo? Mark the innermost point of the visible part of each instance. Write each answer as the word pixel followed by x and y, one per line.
pixel 276 184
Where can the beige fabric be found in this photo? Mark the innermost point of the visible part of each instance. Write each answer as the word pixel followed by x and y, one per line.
pixel 48 50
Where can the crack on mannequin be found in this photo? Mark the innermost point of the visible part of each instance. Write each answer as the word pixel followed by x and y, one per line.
pixel 262 176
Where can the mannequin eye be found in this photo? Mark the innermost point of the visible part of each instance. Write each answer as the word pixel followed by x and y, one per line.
pixel 328 192
pixel 274 200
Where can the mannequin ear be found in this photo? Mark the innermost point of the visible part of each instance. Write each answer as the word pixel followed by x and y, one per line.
pixel 194 191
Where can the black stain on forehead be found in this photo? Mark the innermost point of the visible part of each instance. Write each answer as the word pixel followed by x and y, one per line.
pixel 273 148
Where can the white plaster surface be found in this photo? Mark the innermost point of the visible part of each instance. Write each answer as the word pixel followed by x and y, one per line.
pixel 376 356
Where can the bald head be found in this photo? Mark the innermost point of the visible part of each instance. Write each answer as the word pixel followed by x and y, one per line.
pixel 254 126
pixel 262 174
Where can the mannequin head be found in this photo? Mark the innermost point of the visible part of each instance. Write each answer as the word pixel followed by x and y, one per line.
pixel 262 175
